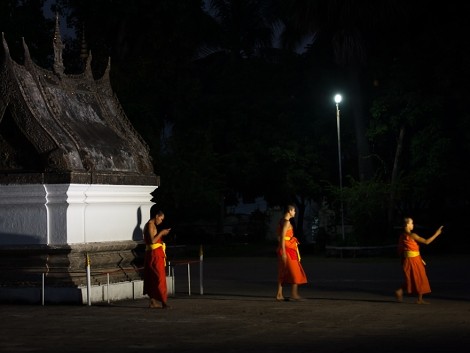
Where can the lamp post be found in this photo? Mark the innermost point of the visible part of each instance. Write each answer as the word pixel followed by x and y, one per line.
pixel 338 100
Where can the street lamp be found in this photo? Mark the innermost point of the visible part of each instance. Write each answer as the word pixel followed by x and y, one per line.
pixel 338 100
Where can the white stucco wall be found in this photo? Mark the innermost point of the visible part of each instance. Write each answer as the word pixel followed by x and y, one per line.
pixel 55 214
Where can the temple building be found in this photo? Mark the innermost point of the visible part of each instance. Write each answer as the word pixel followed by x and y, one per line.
pixel 76 184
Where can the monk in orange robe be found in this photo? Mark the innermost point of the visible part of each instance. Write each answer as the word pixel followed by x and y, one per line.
pixel 416 280
pixel 290 271
pixel 155 262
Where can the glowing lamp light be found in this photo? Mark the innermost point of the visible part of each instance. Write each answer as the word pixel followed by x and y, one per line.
pixel 338 100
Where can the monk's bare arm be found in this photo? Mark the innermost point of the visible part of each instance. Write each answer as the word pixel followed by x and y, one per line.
pixel 282 239
pixel 428 240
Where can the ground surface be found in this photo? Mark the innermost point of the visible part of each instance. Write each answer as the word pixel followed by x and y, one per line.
pixel 349 307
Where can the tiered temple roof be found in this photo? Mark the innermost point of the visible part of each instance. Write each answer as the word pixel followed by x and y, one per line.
pixel 59 128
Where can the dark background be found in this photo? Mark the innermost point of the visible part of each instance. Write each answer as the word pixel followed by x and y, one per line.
pixel 235 100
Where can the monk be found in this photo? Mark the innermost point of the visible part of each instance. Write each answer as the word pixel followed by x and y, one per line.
pixel 155 261
pixel 290 270
pixel 416 280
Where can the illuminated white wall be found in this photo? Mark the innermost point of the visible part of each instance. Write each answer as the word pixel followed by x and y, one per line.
pixel 55 214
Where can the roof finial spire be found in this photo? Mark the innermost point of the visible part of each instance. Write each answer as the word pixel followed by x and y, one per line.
pixel 84 48
pixel 58 47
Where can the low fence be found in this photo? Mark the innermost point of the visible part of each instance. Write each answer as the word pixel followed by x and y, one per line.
pixel 354 251
pixel 171 264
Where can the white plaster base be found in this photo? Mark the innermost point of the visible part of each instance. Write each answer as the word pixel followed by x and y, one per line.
pixel 54 295
pixel 56 214
pixel 120 291
pixel 98 294
pixel 51 227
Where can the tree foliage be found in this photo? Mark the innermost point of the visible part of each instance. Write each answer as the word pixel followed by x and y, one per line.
pixel 230 109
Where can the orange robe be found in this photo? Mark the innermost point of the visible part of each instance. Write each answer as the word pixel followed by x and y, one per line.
pixel 416 280
pixel 292 271
pixel 154 271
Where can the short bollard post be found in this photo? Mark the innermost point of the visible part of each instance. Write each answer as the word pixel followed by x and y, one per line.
pixel 88 279
pixel 42 289
pixel 107 287
pixel 189 278
pixel 201 257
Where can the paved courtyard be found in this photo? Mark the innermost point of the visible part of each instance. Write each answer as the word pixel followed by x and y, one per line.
pixel 349 307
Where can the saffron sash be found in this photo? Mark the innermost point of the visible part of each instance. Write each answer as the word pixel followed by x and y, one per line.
pixel 410 253
pixel 150 247
pixel 296 247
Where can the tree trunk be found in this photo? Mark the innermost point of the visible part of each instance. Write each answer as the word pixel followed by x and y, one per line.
pixel 360 124
pixel 299 229
pixel 393 180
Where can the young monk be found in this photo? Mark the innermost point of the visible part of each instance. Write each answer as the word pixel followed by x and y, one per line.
pixel 290 270
pixel 155 261
pixel 416 280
